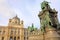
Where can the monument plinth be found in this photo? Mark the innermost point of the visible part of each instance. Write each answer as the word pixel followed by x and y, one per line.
pixel 51 34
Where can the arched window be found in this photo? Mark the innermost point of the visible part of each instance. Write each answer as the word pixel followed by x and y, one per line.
pixel 11 38
pixel 14 38
pixel 18 38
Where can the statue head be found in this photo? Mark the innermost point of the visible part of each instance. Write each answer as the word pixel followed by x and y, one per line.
pixel 44 5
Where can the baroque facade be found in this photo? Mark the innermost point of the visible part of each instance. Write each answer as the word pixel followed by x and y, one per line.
pixel 49 29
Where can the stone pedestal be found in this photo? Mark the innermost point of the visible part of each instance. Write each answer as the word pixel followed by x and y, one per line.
pixel 51 34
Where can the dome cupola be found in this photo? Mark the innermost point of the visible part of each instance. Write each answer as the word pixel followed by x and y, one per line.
pixel 15 20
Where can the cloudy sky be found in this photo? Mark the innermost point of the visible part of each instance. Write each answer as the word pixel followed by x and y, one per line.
pixel 27 10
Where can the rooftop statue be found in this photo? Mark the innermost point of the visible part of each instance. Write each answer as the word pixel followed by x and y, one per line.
pixel 31 28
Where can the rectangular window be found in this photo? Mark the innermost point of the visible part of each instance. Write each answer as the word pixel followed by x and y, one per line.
pixel 0 31
pixel 15 32
pixel 3 32
pixel 14 38
pixel 2 38
pixel 11 32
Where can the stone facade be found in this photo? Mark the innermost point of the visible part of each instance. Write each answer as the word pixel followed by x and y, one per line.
pixel 14 30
